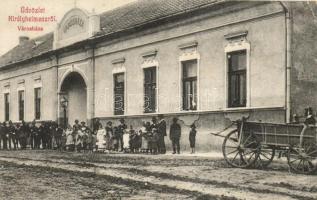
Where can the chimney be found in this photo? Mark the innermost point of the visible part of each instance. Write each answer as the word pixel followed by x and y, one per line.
pixel 23 39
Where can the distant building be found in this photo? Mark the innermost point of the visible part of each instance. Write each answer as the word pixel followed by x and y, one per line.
pixel 204 61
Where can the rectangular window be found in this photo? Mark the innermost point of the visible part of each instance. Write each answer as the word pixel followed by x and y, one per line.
pixel 237 78
pixel 189 77
pixel 150 90
pixel 118 93
pixel 37 103
pixel 21 105
pixel 7 106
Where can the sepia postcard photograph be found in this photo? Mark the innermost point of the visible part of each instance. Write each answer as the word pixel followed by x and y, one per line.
pixel 158 100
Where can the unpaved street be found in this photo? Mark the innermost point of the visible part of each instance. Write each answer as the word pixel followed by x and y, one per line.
pixel 55 175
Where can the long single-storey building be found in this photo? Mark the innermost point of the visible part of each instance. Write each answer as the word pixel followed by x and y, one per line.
pixel 203 61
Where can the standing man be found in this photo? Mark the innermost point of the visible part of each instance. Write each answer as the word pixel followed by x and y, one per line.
pixel 161 129
pixel 4 130
pixel 175 135
pixel 154 123
pixel 24 134
pixel 96 125
pixel 12 135
pixel 41 136
pixel 121 129
pixel 32 134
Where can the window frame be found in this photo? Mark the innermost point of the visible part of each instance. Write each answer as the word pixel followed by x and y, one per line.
pixel 237 44
pixel 35 103
pixel 190 80
pixel 191 47
pixel 115 75
pixel 237 73
pixel 19 105
pixel 155 68
pixel 7 107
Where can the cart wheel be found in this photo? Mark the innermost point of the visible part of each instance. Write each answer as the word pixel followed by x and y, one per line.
pixel 240 155
pixel 303 160
pixel 266 156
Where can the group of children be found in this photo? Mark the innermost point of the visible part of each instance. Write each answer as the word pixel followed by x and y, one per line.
pixel 111 138
pixel 117 138
pixel 79 138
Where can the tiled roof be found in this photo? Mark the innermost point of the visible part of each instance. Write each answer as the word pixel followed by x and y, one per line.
pixel 125 17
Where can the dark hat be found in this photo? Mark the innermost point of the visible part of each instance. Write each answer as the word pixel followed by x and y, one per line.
pixel 109 122
pixel 76 121
pixel 153 118
pixel 121 120
pixel 175 119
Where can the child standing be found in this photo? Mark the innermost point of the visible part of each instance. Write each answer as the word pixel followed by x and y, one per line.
pixel 69 139
pixel 89 141
pixel 192 137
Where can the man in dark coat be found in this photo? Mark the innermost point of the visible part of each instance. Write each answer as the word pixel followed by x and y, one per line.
pixel 161 129
pixel 96 125
pixel 24 133
pixel 4 133
pixel 12 135
pixel 41 137
pixel 154 123
pixel 121 129
pixel 33 133
pixel 175 135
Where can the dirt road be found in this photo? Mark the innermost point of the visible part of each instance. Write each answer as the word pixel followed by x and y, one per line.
pixel 55 175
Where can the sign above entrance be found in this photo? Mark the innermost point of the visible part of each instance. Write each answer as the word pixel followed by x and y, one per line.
pixel 73 22
pixel 76 25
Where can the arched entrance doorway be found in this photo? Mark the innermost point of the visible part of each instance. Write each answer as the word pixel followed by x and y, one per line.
pixel 73 99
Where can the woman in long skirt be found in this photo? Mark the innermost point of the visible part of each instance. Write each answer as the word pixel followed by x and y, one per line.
pixel 101 133
pixel 144 135
pixel 109 135
pixel 126 140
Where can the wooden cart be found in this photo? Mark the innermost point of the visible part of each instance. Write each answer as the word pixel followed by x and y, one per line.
pixel 253 144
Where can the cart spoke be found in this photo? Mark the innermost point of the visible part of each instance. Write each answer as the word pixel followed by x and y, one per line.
pixel 234 158
pixel 251 156
pixel 310 153
pixel 232 152
pixel 294 160
pixel 232 147
pixel 265 156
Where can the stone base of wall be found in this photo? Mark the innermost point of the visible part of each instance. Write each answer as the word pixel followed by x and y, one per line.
pixel 206 123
